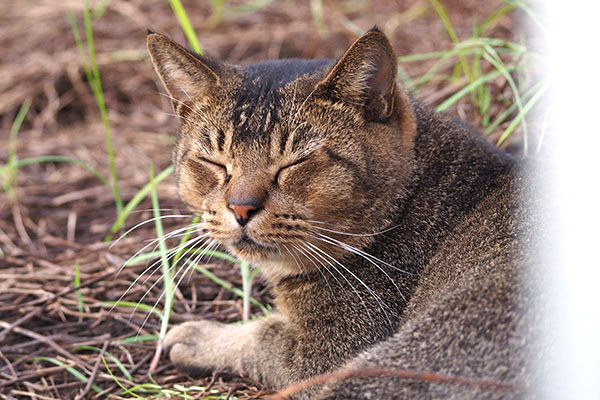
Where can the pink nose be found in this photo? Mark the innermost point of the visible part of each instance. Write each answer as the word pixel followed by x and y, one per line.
pixel 242 212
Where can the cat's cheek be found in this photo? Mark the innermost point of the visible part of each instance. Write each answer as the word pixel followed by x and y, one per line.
pixel 294 184
pixel 333 191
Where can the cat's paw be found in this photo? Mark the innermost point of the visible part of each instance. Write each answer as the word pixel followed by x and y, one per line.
pixel 193 346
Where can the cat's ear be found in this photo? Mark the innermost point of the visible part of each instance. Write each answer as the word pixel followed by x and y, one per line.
pixel 365 76
pixel 184 74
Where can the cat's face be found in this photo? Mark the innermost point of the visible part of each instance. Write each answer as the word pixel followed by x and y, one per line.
pixel 291 164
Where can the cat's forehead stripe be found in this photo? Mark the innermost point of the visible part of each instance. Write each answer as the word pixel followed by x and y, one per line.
pixel 262 97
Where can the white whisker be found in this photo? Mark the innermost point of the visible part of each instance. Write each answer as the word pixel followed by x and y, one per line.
pixel 145 222
pixel 317 250
pixel 362 254
pixel 312 260
pixel 164 237
pixel 153 265
pixel 171 268
pixel 351 234
pixel 356 251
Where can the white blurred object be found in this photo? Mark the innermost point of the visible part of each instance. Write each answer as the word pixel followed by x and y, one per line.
pixel 573 42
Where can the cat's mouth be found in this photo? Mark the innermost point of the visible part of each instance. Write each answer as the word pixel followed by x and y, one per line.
pixel 246 241
pixel 247 245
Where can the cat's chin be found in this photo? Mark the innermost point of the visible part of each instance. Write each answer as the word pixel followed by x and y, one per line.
pixel 251 251
pixel 274 264
pixel 247 247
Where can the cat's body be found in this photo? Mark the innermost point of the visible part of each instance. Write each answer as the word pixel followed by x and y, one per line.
pixel 394 237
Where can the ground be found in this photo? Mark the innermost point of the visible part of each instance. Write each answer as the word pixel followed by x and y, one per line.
pixel 55 217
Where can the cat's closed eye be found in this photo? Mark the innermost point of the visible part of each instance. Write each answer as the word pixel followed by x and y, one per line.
pixel 215 166
pixel 283 172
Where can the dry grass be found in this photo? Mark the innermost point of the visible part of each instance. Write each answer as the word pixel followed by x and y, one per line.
pixel 59 214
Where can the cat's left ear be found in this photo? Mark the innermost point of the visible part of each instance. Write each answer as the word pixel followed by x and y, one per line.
pixel 365 77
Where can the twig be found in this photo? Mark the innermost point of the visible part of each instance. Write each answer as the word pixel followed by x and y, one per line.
pixel 140 363
pixel 8 364
pixel 47 302
pixel 47 341
pixel 399 373
pixel 18 218
pixel 41 372
pixel 90 381
pixel 31 389
pixel 156 358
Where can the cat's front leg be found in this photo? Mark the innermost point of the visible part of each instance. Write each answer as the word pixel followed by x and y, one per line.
pixel 257 349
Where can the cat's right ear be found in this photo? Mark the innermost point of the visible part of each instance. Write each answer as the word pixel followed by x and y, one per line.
pixel 184 74
pixel 365 77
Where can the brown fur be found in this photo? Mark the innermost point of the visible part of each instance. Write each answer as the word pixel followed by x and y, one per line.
pixel 391 235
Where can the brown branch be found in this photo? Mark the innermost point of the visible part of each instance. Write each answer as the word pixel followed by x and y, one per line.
pixel 46 340
pixel 156 358
pixel 398 373
pixel 41 372
pixel 20 227
pixel 8 364
pixel 90 381
pixel 47 302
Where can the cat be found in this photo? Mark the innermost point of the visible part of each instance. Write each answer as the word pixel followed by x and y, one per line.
pixel 394 238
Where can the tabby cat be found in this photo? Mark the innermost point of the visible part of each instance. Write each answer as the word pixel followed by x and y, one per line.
pixel 394 237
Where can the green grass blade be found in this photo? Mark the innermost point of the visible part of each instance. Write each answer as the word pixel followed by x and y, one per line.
pixel 77 283
pixel 490 21
pixel 186 25
pixel 184 239
pixel 472 44
pixel 316 9
pixel 213 254
pixel 118 363
pixel 79 43
pixel 468 88
pixel 134 305
pixel 421 56
pixel 430 74
pixel 232 289
pixel 512 108
pixel 138 339
pixel 100 8
pixel 93 76
pixel 531 14
pixel 57 158
pixel 14 129
pixel 217 13
pixel 167 272
pixel 155 254
pixel 10 170
pixel 72 370
pixel 247 8
pixel 493 58
pixel 444 57
pixel 453 36
pixel 136 200
pixel 146 388
pixel 526 108
pixel 118 382
pixel 96 86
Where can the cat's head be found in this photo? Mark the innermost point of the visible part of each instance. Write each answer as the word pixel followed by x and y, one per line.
pixel 290 163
